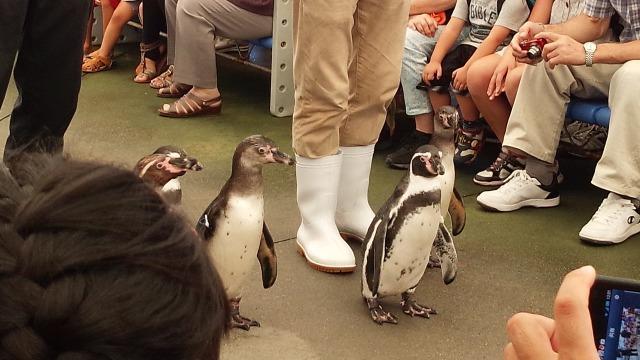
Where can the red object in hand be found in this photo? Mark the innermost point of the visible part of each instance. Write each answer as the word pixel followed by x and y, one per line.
pixel 533 47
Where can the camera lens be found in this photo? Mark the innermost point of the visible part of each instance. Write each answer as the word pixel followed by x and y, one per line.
pixel 534 52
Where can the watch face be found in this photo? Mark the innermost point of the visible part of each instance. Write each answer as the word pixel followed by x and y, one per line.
pixel 591 47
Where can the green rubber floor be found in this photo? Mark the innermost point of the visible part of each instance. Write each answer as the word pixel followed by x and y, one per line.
pixel 508 262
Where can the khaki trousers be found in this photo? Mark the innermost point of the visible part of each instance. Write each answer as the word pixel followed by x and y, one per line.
pixel 539 113
pixel 347 61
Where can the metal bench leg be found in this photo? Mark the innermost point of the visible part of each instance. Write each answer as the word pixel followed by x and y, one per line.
pixel 281 102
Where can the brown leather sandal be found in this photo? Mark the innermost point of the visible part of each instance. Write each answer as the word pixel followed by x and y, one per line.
pixel 191 105
pixel 96 63
pixel 163 80
pixel 175 90
pixel 143 74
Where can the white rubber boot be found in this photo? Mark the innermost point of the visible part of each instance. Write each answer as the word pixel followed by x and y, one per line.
pixel 354 214
pixel 318 238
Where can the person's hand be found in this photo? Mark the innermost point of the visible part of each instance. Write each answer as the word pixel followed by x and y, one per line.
pixel 562 50
pixel 526 32
pixel 459 78
pixel 568 337
pixel 424 24
pixel 432 71
pixel 497 82
pixel 97 2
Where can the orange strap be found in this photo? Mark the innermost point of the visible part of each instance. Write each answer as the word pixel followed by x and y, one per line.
pixel 440 17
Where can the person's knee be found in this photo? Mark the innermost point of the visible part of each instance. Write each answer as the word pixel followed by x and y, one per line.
pixel 478 77
pixel 189 7
pixel 627 76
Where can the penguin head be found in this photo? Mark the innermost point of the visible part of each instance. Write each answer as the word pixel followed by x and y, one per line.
pixel 448 117
pixel 427 162
pixel 165 164
pixel 258 150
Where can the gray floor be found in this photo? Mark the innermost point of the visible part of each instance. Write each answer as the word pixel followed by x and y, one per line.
pixel 508 262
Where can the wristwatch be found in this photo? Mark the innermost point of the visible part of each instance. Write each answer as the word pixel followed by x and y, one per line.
pixel 589 51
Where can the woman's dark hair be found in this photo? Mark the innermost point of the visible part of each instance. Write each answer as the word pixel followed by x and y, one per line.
pixel 95 265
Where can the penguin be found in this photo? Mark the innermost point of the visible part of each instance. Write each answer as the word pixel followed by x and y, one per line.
pixel 401 236
pixel 162 168
pixel 233 226
pixel 445 124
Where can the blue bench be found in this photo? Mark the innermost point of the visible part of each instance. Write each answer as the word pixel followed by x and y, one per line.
pixel 591 112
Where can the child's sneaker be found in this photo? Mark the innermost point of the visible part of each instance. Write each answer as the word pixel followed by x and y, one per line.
pixel 616 220
pixel 499 171
pixel 520 190
pixel 469 143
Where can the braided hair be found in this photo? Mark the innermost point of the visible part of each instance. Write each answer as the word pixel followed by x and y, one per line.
pixel 95 265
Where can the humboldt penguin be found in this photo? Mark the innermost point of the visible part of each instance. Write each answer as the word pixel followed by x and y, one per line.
pixel 445 124
pixel 233 226
pixel 162 168
pixel 401 236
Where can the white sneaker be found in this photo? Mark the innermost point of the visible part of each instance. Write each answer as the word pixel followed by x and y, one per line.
pixel 520 190
pixel 616 220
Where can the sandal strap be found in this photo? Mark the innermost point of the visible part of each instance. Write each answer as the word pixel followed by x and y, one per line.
pixel 152 46
pixel 96 62
pixel 201 102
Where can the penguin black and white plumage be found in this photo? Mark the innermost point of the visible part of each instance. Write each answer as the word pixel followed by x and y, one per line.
pixel 162 168
pixel 233 226
pixel 445 123
pixel 401 236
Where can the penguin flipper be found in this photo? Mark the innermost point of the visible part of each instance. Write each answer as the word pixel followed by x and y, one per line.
pixel 206 226
pixel 267 258
pixel 375 255
pixel 457 212
pixel 447 254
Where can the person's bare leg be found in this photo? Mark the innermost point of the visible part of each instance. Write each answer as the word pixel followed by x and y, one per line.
pixel 439 99
pixel 86 47
pixel 496 112
pixel 513 82
pixel 424 123
pixel 121 15
pixel 468 108
pixel 107 13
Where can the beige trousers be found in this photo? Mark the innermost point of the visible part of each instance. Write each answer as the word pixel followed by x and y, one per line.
pixel 347 61
pixel 539 113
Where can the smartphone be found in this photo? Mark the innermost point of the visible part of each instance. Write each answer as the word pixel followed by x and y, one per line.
pixel 614 305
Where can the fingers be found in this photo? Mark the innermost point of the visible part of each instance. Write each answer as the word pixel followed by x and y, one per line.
pixel 492 85
pixel 439 72
pixel 573 321
pixel 510 352
pixel 530 336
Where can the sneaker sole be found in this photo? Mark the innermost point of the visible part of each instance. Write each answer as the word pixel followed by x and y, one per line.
pixel 601 241
pixel 489 183
pixel 324 268
pixel 397 166
pixel 537 203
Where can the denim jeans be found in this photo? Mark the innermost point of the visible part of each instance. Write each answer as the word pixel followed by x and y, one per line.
pixel 417 51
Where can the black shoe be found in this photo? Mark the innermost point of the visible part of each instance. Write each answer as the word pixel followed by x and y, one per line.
pixel 469 143
pixel 499 171
pixel 401 158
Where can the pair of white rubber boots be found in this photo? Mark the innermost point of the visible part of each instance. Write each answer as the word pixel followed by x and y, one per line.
pixel 333 200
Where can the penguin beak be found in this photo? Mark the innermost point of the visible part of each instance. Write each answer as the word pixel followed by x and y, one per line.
pixel 280 157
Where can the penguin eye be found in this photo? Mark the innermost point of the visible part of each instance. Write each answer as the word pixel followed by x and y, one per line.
pixel 262 150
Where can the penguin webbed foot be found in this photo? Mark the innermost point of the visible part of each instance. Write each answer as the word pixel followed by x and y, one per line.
pixel 378 314
pixel 411 307
pixel 240 322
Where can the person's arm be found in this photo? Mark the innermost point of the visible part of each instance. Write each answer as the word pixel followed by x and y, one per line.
pixel 541 12
pixel 581 28
pixel 430 6
pixel 433 70
pixel 617 53
pixel 487 47
pixel 447 39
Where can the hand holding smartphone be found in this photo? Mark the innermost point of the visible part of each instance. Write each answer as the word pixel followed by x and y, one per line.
pixel 614 305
